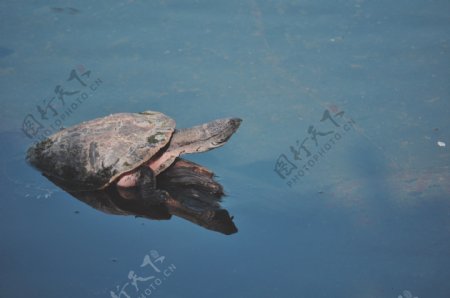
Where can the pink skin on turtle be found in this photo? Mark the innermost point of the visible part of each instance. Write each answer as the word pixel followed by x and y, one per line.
pixel 131 179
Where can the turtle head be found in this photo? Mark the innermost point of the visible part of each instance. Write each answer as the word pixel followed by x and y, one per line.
pixel 219 131
pixel 206 136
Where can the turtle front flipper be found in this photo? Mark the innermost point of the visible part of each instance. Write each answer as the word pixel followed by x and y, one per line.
pixel 147 186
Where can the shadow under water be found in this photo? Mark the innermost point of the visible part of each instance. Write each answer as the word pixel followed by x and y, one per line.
pixel 193 195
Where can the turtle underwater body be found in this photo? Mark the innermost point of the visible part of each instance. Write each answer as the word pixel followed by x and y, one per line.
pixel 128 149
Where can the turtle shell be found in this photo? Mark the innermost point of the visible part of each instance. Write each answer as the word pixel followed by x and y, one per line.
pixel 93 154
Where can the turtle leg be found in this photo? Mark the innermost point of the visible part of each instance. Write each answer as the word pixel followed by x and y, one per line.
pixel 147 186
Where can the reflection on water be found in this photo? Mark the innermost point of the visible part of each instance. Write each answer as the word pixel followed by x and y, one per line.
pixel 193 195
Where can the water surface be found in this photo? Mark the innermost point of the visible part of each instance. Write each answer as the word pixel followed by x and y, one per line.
pixel 369 217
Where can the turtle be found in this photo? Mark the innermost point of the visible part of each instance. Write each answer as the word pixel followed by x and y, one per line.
pixel 125 149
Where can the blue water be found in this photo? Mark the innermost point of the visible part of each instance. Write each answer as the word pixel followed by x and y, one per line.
pixel 364 215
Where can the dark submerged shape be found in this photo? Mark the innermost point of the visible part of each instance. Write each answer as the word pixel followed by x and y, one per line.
pixel 194 195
